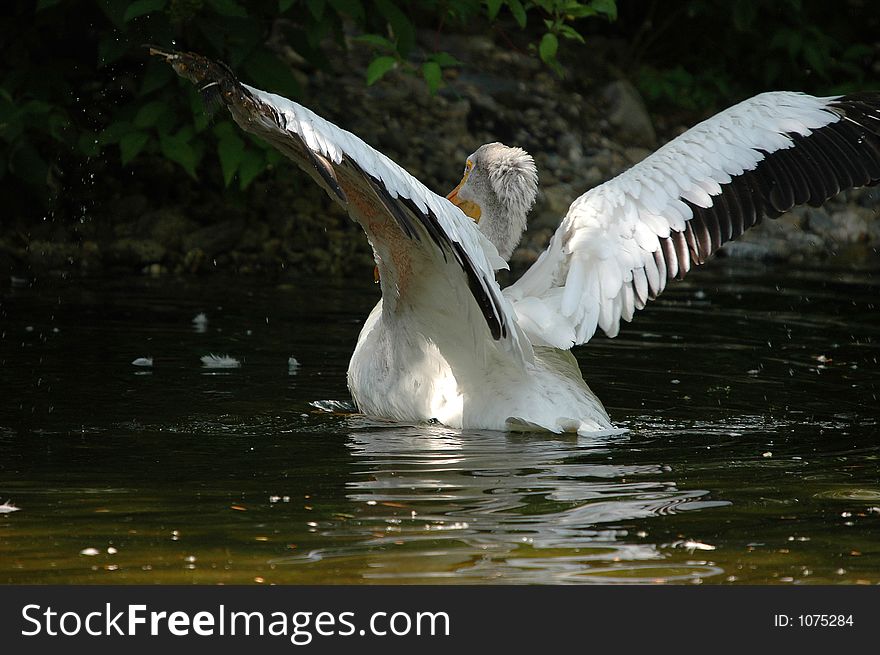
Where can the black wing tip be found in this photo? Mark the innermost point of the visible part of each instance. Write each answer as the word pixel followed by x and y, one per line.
pixel 214 78
pixel 869 97
pixel 841 155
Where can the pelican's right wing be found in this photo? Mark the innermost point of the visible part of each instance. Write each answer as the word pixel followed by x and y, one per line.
pixel 413 230
pixel 621 241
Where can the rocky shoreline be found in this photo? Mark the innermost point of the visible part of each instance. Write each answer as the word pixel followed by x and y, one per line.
pixel 582 131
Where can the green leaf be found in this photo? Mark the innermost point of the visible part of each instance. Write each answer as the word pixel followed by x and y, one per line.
pixel 378 67
pixel 57 125
pixel 201 114
pixel 284 5
pixel 178 149
pixel 227 8
pixel 225 129
pixel 403 29
pixel 272 156
pixel 376 41
pixel 772 71
pixel 444 59
pixel 11 124
pixel 141 8
pixel 548 47
pixel 744 14
pixel 87 144
pixel 433 75
pixel 114 132
pixel 10 131
pixel 111 47
pixel 156 75
pixel 316 8
pixel 26 163
pixel 351 8
pixel 492 8
pixel 252 164
pixel 816 59
pixel 231 149
pixel 45 4
pixel 149 114
pixel 35 108
pixel 580 11
pixel 607 7
pixel 185 133
pixel 858 51
pixel 131 144
pixel 569 32
pixel 519 14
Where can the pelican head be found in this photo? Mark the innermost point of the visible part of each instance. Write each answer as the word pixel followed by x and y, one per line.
pixel 497 190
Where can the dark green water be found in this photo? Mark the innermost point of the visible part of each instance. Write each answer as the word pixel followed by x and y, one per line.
pixel 753 453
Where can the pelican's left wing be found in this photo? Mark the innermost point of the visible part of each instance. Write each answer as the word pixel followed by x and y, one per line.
pixel 364 182
pixel 621 241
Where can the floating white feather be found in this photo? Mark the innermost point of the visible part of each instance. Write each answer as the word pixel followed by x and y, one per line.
pixel 8 508
pixel 220 361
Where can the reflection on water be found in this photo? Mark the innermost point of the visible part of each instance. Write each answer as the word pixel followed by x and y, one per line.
pixel 492 505
pixel 752 453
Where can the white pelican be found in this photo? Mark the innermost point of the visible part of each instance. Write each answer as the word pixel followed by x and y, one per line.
pixel 445 343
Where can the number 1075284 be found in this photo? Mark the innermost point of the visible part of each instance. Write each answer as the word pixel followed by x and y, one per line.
pixel 813 620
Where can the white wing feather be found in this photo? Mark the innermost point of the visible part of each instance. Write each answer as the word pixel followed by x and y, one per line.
pixel 605 244
pixel 332 142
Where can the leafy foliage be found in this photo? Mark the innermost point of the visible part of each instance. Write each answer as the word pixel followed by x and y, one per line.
pixel 560 23
pixel 702 53
pixel 56 105
pixel 394 49
pixel 77 85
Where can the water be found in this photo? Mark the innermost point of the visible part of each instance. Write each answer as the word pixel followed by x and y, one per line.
pixel 753 453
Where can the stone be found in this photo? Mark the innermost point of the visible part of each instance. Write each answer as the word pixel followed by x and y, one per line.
pixel 130 206
pixel 592 177
pixel 570 148
pixel 628 114
pixel 135 253
pixel 853 225
pixel 170 228
pixel 215 239
pixel 635 155
pixel 554 205
pixel 90 254
pixel 10 258
pixel 254 237
pixel 194 261
pixel 48 255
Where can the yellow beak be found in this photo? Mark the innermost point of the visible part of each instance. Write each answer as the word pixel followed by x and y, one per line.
pixel 469 208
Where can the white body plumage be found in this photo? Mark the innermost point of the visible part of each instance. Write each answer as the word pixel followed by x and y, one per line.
pixel 446 344
pixel 397 373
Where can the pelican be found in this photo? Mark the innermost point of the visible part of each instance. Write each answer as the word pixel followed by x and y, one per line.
pixel 445 343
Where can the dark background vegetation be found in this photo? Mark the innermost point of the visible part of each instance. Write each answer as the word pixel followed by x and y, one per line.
pixel 84 112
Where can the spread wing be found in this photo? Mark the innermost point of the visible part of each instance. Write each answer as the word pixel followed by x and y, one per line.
pixel 620 242
pixel 416 235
